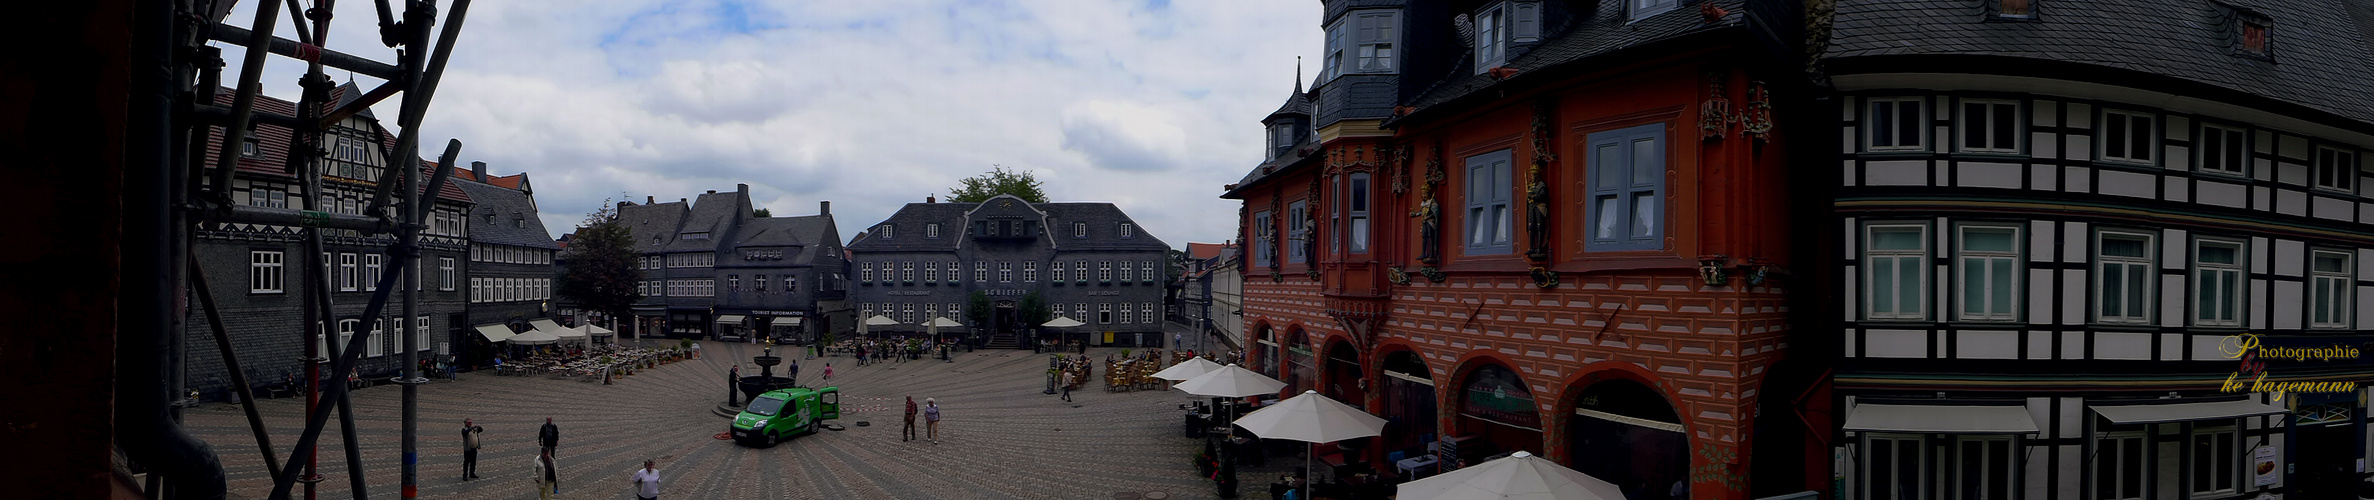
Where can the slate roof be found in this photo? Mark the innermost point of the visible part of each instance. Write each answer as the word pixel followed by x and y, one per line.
pixel 808 232
pixel 713 213
pixel 272 141
pixel 1596 31
pixel 1201 251
pixel 2318 46
pixel 1300 103
pixel 951 217
pixel 1276 166
pixel 505 204
pixel 654 225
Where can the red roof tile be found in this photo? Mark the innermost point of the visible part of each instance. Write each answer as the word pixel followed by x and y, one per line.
pixel 272 141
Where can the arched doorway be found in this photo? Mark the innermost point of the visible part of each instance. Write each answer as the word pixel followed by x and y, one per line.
pixel 1625 433
pixel 1497 415
pixel 1408 391
pixel 1343 374
pixel 1302 372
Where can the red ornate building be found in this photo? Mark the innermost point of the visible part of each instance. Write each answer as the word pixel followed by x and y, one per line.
pixel 1548 227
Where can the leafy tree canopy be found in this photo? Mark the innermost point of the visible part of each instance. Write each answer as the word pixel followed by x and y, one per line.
pixel 599 273
pixel 1000 180
pixel 761 213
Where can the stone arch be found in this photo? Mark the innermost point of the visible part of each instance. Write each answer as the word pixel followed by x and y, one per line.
pixel 1340 373
pixel 1407 397
pixel 1629 423
pixel 1503 419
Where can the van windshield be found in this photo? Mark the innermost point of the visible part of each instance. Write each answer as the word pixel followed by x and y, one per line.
pixel 764 406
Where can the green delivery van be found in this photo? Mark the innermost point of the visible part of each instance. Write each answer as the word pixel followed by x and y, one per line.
pixel 783 413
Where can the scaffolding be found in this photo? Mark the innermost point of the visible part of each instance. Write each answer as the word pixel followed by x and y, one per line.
pixel 189 186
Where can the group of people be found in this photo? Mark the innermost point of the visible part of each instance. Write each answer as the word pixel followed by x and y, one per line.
pixel 895 349
pixel 547 471
pixel 931 420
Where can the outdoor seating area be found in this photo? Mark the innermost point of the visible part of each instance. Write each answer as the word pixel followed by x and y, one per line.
pixel 599 363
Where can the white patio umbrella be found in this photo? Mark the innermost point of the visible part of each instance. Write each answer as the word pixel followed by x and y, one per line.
pixel 1230 381
pixel 938 322
pixel 1521 476
pixel 877 320
pixel 1062 322
pixel 1312 419
pixel 1188 369
pixel 534 337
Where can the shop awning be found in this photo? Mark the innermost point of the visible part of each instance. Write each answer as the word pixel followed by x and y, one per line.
pixel 547 326
pixel 2179 412
pixel 495 332
pixel 597 330
pixel 732 319
pixel 784 321
pixel 1943 419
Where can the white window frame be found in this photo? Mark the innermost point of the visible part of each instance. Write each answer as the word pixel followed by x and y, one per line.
pixel 1984 262
pixel 2110 453
pixel 1333 61
pixel 865 272
pixel 1146 271
pixel 267 271
pixel 1984 125
pixel 1125 273
pixel 2330 289
pixel 1080 271
pixel 1104 271
pixel 1129 230
pixel 445 274
pixel 1375 35
pixel 955 272
pixel 1642 9
pixel 2103 135
pixel 2336 169
pixel 346 328
pixel 1104 313
pixel 2228 292
pixel 791 283
pixel 907 313
pixel 2232 143
pixel 1896 257
pixel 980 271
pixel 1055 273
pixel 931 271
pixel 2009 464
pixel 1871 468
pixel 1619 192
pixel 374 344
pixel 2230 460
pixel 888 230
pixel 1126 317
pixel 1005 271
pixel 1488 227
pixel 1079 230
pixel 420 333
pixel 1894 105
pixel 1030 271
pixel 1146 310
pixel 1356 200
pixel 906 272
pixel 346 270
pixel 1491 40
pixel 931 230
pixel 2147 265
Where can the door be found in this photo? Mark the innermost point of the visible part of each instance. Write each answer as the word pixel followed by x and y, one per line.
pixel 828 403
pixel 2325 471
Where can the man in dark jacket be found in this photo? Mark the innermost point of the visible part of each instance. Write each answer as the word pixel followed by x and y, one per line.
pixel 470 449
pixel 550 435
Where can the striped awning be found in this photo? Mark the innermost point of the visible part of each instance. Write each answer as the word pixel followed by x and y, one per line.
pixel 729 319
pixel 784 321
pixel 2181 412
pixel 1941 419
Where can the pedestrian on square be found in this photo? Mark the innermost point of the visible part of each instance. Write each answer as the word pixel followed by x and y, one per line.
pixel 470 449
pixel 828 371
pixel 795 372
pixel 548 478
pixel 908 433
pixel 550 435
pixel 647 482
pixel 1067 385
pixel 931 419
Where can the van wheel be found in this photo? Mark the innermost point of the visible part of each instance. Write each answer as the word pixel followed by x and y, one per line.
pixel 768 438
pixel 811 427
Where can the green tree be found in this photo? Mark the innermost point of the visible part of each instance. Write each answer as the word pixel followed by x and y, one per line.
pixel 761 213
pixel 999 180
pixel 599 273
pixel 1034 310
pixel 977 312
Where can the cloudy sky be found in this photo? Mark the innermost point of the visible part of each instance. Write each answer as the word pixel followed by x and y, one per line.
pixel 1149 104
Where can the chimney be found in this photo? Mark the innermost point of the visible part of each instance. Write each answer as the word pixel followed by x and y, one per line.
pixel 686 200
pixel 824 207
pixel 478 168
pixel 712 191
pixel 650 200
pixel 742 188
pixel 931 199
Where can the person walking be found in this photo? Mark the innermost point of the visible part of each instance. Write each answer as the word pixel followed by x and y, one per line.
pixel 548 477
pixel 931 419
pixel 647 482
pixel 1068 380
pixel 908 433
pixel 795 372
pixel 470 449
pixel 828 371
pixel 550 435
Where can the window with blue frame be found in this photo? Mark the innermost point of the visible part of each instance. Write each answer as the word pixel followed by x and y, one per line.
pixel 1626 179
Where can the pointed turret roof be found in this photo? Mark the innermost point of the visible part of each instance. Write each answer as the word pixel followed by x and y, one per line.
pixel 1297 104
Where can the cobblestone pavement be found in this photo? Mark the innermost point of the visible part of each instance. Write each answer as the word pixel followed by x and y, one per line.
pixel 1001 438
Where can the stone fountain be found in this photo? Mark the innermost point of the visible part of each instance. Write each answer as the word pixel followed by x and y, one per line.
pixel 765 380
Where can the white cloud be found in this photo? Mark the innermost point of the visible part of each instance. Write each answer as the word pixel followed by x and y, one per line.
pixel 1150 104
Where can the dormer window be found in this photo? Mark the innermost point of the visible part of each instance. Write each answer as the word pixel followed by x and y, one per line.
pixel 1528 22
pixel 1281 138
pixel 1079 230
pixel 2254 37
pixel 2252 34
pixel 1642 9
pixel 247 148
pixel 887 230
pixel 2015 9
pixel 1128 231
pixel 931 230
pixel 1489 41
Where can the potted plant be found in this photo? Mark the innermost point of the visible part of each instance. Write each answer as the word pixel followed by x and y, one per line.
pixel 1226 479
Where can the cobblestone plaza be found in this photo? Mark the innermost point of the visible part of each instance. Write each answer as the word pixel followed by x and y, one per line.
pixel 1000 436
